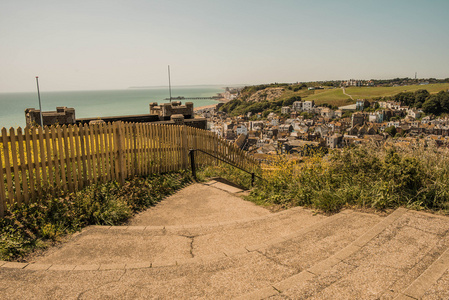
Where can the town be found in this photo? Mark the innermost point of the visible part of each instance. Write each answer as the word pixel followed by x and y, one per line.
pixel 303 126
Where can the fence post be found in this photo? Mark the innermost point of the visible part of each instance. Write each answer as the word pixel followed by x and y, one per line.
pixel 119 159
pixel 184 146
pixel 192 162
pixel 135 148
pixel 2 191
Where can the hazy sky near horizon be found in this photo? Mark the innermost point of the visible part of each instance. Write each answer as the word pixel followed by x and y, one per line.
pixel 115 44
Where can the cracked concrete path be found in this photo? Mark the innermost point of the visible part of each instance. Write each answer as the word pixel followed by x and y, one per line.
pixel 200 204
pixel 157 244
pixel 242 252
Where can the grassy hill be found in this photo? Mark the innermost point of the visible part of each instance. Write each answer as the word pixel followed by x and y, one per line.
pixel 249 101
pixel 330 96
pixel 337 98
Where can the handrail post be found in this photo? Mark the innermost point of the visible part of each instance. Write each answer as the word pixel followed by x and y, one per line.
pixel 192 162
pixel 253 177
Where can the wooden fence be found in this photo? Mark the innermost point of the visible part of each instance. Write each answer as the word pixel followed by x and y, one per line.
pixel 37 161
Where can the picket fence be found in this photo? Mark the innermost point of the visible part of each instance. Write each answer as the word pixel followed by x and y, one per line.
pixel 61 159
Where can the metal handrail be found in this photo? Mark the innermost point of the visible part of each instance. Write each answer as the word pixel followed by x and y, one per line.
pixel 192 164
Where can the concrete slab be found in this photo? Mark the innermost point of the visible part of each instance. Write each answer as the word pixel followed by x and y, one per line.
pixel 225 187
pixel 412 274
pixel 38 267
pixel 420 286
pixel 304 251
pixel 224 279
pixel 367 282
pixel 439 290
pixel 253 234
pixel 198 204
pixel 117 247
pixel 397 246
pixel 311 285
pixel 14 265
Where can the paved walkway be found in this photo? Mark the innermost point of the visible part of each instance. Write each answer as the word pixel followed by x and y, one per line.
pixel 344 92
pixel 205 242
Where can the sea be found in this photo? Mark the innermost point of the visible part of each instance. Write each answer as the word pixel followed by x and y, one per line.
pixel 102 103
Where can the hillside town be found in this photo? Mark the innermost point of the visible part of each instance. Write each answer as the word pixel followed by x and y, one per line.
pixel 303 127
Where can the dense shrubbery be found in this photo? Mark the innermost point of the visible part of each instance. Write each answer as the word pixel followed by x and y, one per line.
pixel 366 176
pixel 31 226
pixel 430 103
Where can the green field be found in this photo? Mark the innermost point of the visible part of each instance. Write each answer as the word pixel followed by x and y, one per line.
pixel 336 96
pixel 330 96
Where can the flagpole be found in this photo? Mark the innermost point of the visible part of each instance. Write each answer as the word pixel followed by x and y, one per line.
pixel 39 97
pixel 169 83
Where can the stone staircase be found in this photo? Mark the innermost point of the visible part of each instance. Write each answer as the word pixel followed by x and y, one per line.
pixel 207 243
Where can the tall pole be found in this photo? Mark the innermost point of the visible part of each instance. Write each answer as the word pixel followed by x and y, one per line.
pixel 39 97
pixel 169 83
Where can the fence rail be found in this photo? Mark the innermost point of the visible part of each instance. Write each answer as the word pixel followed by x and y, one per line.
pixel 60 159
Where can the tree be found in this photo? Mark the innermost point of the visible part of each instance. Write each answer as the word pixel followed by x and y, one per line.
pixel 390 130
pixel 432 105
pixel 421 96
pixel 291 100
pixel 407 98
pixel 443 98
pixel 346 114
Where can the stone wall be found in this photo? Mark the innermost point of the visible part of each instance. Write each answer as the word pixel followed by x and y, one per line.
pixel 170 114
pixel 62 116
pixel 130 119
pixel 166 110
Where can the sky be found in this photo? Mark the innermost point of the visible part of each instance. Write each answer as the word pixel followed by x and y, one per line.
pixel 114 44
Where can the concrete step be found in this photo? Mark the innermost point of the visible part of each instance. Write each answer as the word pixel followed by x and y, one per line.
pixel 220 278
pixel 404 257
pixel 173 245
pixel 134 247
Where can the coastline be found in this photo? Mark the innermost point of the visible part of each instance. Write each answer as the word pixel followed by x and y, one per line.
pixel 93 104
pixel 222 100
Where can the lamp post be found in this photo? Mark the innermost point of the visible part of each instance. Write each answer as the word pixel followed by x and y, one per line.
pixel 169 83
pixel 39 97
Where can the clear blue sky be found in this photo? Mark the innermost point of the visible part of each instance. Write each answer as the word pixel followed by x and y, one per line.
pixel 92 44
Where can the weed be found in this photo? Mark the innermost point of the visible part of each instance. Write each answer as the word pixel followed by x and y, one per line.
pixel 30 226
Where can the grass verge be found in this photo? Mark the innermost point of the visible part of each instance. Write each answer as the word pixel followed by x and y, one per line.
pixel 35 226
pixel 367 176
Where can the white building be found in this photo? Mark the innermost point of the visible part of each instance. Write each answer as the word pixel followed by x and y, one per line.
pixel 308 105
pixel 327 113
pixel 241 129
pixel 394 123
pixel 297 106
pixel 414 113
pixel 274 122
pixel 285 110
pixel 255 125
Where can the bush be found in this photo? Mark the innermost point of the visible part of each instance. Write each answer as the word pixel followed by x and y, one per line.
pixel 29 226
pixel 366 176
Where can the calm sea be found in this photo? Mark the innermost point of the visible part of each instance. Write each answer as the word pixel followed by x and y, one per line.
pixel 97 103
